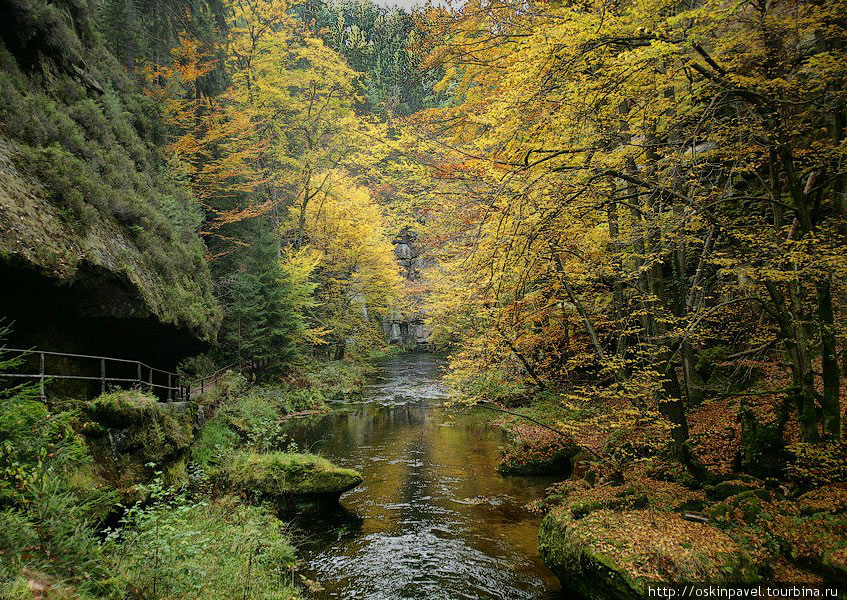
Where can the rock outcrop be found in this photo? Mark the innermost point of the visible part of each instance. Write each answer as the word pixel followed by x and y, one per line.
pixel 618 553
pixel 535 450
pixel 129 430
pixel 99 250
pixel 407 328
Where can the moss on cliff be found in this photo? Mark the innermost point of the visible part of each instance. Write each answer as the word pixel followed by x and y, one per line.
pixel 82 182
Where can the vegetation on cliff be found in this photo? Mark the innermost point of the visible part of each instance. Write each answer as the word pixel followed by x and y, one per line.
pixel 84 182
pixel 635 214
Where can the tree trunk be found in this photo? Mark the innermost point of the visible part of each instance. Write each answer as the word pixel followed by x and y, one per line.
pixel 301 223
pixel 795 340
pixel 617 289
pixel 830 401
pixel 672 407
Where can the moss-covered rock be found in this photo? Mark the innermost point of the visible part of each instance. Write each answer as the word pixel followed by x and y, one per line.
pixel 627 498
pixel 835 564
pixel 813 541
pixel 732 487
pixel 537 451
pixel 827 498
pixel 130 429
pixel 280 475
pixel 609 554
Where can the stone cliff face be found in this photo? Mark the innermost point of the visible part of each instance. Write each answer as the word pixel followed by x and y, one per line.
pixel 90 293
pixel 407 328
pixel 99 251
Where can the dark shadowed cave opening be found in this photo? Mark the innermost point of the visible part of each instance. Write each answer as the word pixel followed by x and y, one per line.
pixel 95 313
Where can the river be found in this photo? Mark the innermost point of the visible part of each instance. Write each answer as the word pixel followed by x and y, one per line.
pixel 433 519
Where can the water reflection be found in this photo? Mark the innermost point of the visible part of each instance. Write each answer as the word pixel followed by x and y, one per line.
pixel 433 519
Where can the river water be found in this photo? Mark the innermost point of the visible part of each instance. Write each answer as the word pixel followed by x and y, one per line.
pixel 433 519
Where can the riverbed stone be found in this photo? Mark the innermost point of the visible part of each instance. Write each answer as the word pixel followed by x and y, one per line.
pixel 281 475
pixel 617 554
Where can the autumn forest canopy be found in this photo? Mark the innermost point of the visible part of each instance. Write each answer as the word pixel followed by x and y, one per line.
pixel 627 221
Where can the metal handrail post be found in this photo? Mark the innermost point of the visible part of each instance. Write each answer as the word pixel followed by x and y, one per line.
pixel 41 378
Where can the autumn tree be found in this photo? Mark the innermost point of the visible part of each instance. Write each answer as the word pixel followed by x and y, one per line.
pixel 645 182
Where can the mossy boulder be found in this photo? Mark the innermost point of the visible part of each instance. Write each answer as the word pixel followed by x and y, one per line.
pixel 750 506
pixel 626 498
pixel 130 429
pixel 829 498
pixel 835 564
pixel 815 541
pixel 732 487
pixel 537 451
pixel 617 554
pixel 281 475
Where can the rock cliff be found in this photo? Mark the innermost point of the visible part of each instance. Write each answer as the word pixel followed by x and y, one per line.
pixel 99 250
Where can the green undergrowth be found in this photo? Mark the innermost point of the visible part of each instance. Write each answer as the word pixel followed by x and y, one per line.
pixel 179 547
pixel 244 444
pixel 339 379
pixel 124 497
pixel 174 542
pixel 251 417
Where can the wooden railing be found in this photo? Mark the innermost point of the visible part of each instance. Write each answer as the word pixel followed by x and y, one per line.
pixel 164 384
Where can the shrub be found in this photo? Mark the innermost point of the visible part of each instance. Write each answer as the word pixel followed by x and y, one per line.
pixel 814 465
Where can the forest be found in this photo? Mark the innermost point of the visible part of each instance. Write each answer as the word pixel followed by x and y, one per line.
pixel 618 226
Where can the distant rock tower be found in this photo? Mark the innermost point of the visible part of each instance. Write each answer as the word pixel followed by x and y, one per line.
pixel 408 328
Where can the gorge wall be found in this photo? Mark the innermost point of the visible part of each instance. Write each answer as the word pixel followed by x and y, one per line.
pixel 99 250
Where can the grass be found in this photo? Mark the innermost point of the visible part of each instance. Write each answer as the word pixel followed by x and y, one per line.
pixel 206 550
